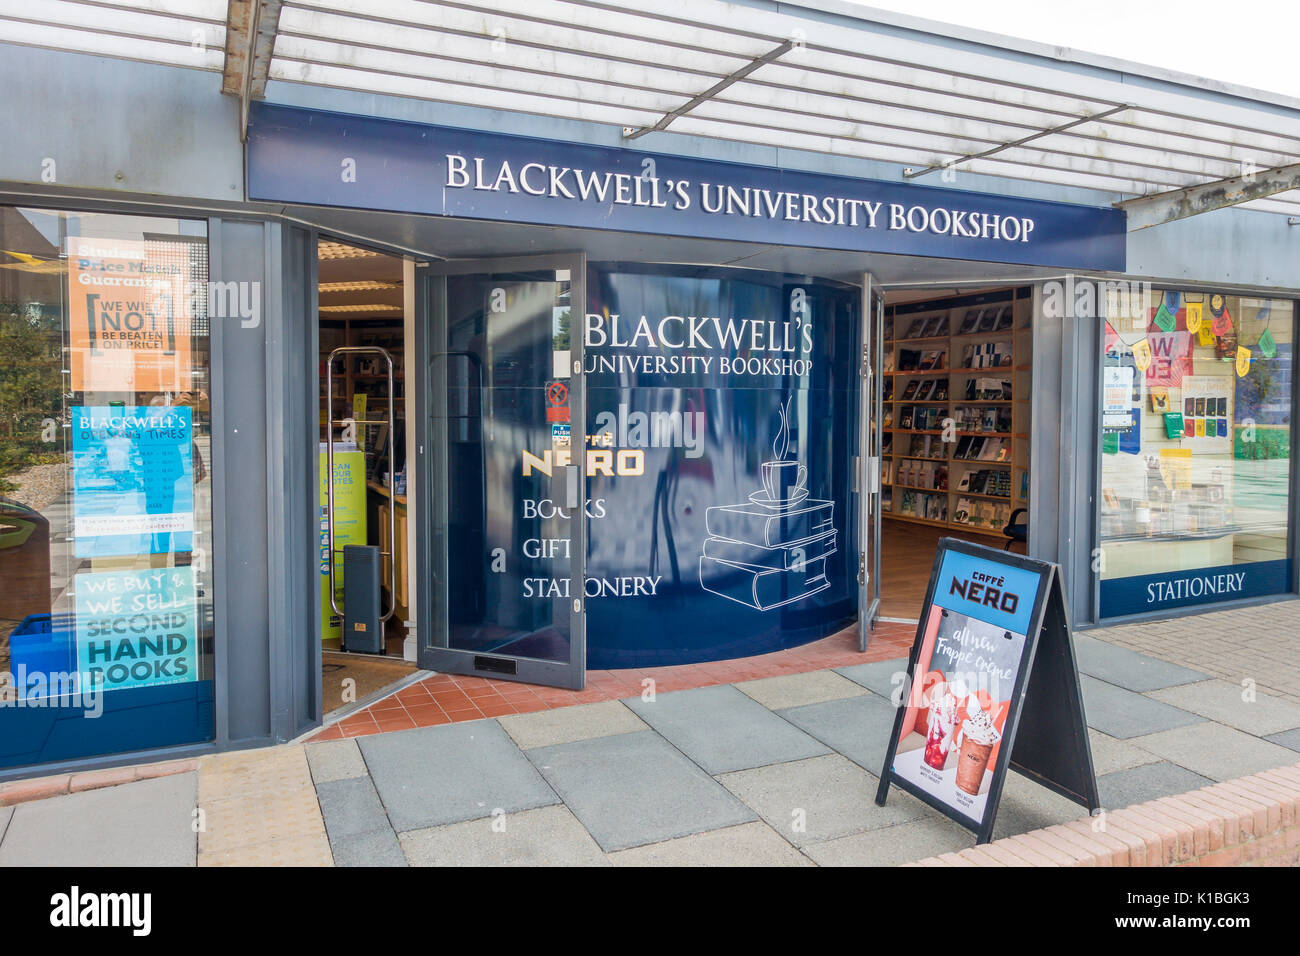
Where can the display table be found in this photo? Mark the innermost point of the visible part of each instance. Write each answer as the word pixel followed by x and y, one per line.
pixel 1130 557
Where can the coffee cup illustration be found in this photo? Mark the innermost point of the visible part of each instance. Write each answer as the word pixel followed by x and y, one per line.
pixel 783 480
pixel 771 550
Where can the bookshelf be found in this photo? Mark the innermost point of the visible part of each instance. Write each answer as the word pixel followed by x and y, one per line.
pixel 956 410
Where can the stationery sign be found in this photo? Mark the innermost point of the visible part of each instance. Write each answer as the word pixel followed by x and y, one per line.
pixel 332 159
pixel 991 684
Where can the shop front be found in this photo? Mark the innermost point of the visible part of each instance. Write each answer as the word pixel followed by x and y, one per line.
pixel 654 409
pixel 700 445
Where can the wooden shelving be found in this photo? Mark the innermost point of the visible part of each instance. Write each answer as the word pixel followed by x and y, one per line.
pixel 916 501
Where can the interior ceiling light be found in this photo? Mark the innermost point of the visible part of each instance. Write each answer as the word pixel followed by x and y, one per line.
pixel 367 285
pixel 337 250
pixel 361 308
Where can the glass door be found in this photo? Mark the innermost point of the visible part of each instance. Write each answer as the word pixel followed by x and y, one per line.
pixel 500 449
pixel 870 442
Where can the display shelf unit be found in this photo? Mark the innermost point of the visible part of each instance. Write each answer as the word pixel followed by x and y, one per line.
pixel 962 461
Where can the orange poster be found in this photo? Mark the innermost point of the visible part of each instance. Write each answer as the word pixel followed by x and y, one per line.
pixel 129 315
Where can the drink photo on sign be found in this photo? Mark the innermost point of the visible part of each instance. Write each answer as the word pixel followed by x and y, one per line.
pixel 955 714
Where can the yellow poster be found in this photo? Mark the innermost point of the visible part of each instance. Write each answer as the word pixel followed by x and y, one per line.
pixel 1176 467
pixel 1194 313
pixel 1142 355
pixel 129 315
pixel 1243 361
pixel 349 526
pixel 1205 335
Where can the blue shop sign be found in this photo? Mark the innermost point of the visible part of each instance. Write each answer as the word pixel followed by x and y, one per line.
pixel 999 594
pixel 1144 593
pixel 333 159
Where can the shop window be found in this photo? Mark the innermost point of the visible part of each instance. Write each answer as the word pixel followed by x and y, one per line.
pixel 105 486
pixel 1196 450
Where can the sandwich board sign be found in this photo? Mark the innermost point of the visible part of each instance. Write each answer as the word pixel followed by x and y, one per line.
pixel 991 684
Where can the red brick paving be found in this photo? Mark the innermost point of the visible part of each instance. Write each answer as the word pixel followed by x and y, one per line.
pixel 447 698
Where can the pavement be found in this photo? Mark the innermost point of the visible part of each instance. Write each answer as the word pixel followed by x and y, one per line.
pixel 776 771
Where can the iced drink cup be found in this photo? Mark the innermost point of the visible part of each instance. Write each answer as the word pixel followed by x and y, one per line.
pixel 978 738
pixel 942 723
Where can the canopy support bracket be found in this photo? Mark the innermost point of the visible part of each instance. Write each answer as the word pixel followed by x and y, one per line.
pixel 629 133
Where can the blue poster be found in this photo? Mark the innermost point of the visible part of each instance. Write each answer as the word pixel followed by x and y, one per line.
pixel 136 628
pixel 133 480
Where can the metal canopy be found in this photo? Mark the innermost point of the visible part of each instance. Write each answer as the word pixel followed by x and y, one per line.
pixel 928 97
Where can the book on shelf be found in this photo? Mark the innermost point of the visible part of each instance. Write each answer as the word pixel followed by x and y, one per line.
pixel 916 329
pixel 763 588
pixel 940 390
pixel 988 320
pixel 1006 318
pixel 908 360
pixel 937 326
pixel 970 322
pixel 925 391
pixel 910 391
pixel 932 359
pixel 754 524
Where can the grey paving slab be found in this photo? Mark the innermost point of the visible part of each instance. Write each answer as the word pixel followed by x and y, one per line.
pixel 335 760
pixel 1123 788
pixel 794 690
pixel 1234 705
pixel 1110 754
pixel 438 775
pixel 145 823
pixel 633 789
pixel 722 729
pixel 549 836
pixel 819 799
pixel 858 727
pixel 750 844
pixel 1126 668
pixel 1123 713
pixel 891 846
pixel 350 807
pixel 566 724
pixel 1026 806
pixel 373 848
pixel 1215 751
pixel 1288 738
pixel 881 677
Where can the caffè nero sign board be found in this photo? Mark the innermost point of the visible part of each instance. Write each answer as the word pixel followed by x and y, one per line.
pixel 991 684
pixel 334 159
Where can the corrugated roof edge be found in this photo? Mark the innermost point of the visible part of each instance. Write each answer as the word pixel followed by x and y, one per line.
pixel 1057 54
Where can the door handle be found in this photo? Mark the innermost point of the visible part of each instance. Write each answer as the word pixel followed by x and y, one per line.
pixel 572 481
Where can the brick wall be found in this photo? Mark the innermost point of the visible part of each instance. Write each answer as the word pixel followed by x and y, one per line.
pixel 1252 821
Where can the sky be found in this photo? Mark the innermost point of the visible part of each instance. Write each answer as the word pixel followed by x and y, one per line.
pixel 1259 48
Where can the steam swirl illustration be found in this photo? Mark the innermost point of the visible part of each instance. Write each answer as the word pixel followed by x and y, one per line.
pixel 781 443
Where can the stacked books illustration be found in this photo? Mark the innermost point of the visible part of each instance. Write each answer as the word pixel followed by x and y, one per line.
pixel 772 549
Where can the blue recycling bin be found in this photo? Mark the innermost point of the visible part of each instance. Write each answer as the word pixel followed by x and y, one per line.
pixel 41 645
